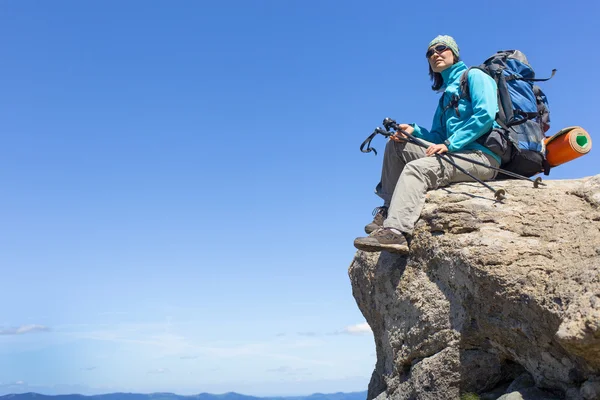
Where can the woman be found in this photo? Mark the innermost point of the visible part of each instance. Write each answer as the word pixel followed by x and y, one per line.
pixel 410 170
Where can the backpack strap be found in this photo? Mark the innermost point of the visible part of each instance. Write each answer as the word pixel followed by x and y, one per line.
pixel 453 103
pixel 501 114
pixel 464 83
pixel 504 102
pixel 512 77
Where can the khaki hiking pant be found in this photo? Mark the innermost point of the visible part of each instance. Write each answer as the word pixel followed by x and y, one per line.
pixel 408 174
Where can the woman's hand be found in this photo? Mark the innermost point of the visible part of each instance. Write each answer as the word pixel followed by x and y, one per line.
pixel 401 137
pixel 436 149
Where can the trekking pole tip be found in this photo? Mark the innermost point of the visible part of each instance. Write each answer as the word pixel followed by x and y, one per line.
pixel 500 194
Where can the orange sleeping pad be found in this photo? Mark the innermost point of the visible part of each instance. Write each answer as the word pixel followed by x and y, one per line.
pixel 567 145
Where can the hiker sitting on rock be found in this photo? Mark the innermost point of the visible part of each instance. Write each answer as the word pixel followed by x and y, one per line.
pixel 409 170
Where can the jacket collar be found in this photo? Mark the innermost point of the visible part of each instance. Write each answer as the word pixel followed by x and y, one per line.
pixel 453 72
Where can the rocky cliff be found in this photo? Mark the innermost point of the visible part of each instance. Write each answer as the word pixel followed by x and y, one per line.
pixel 497 299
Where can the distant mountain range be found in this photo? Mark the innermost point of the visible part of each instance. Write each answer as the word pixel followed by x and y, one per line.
pixel 171 396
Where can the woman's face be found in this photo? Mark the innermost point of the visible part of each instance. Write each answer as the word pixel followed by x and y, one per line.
pixel 440 60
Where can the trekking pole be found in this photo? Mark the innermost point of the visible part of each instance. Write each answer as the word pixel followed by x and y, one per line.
pixel 536 182
pixel 499 194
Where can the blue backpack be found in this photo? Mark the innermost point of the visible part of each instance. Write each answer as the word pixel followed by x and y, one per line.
pixel 523 114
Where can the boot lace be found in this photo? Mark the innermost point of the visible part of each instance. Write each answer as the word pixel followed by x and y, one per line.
pixel 380 210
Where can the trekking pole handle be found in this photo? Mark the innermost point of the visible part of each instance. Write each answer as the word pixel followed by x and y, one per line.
pixel 367 143
pixel 383 132
pixel 390 123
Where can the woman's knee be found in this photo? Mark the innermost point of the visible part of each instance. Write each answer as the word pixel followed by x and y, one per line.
pixel 393 146
pixel 425 165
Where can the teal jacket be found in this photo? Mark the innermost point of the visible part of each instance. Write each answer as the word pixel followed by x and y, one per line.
pixel 460 130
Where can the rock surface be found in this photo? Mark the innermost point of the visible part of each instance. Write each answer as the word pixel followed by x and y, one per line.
pixel 488 292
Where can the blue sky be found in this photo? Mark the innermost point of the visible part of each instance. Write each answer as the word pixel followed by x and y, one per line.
pixel 182 181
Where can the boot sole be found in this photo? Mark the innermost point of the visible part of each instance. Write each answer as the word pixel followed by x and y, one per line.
pixel 392 248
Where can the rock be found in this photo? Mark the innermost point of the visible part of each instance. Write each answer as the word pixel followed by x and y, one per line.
pixel 528 394
pixel 573 394
pixel 494 393
pixel 590 390
pixel 524 381
pixel 489 290
pixel 511 396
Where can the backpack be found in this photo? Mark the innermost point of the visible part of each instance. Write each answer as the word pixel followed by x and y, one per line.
pixel 523 114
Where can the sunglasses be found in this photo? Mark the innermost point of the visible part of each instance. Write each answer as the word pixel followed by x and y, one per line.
pixel 439 49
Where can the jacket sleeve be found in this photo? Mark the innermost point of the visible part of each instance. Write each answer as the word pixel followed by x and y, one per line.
pixel 435 135
pixel 484 101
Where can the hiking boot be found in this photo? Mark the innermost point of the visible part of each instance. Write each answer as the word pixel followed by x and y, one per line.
pixel 383 239
pixel 380 214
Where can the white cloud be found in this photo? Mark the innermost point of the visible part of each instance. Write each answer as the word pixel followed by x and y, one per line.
pixel 188 357
pixel 359 329
pixel 166 345
pixel 283 368
pixel 307 333
pixel 287 370
pixel 24 329
pixel 158 371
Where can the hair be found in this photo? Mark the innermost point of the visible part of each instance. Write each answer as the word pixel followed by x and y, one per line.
pixel 436 77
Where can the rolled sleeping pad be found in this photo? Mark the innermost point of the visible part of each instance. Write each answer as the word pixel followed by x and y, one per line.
pixel 568 144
